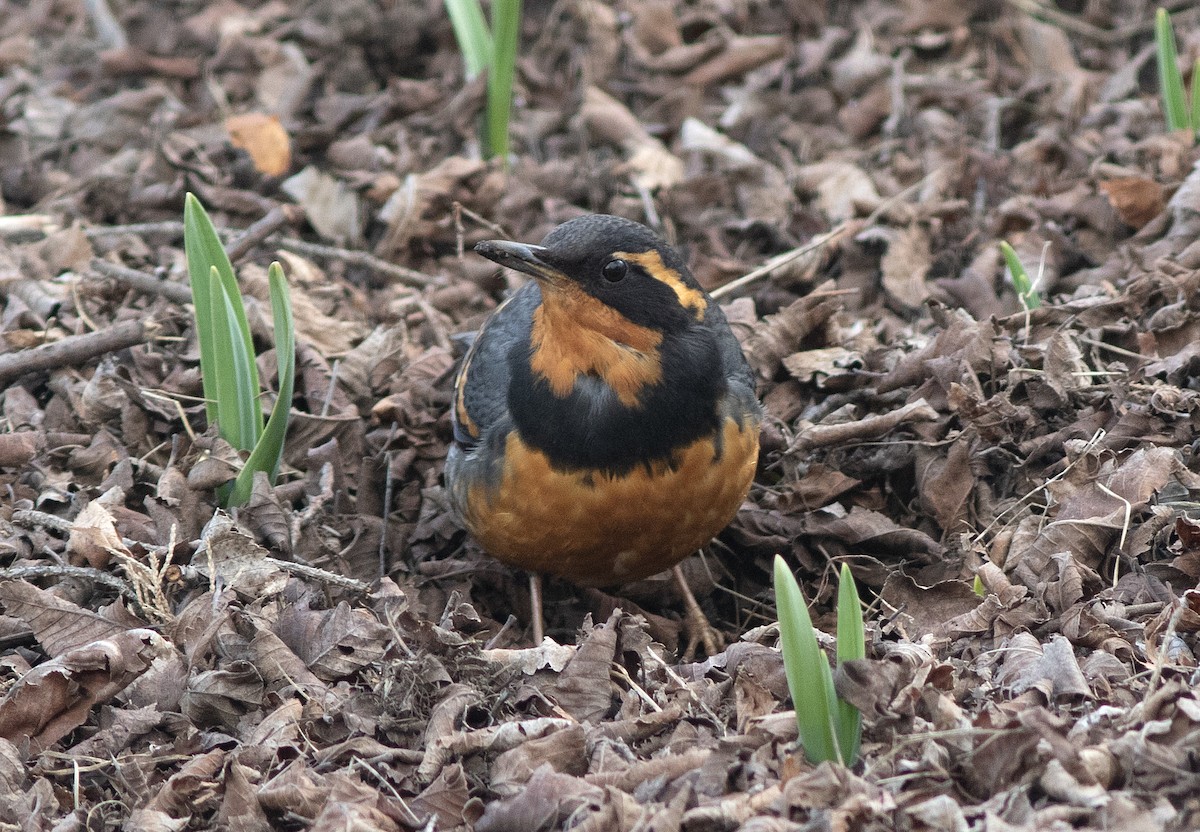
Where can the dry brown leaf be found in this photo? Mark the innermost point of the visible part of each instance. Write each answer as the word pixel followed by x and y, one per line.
pixel 240 808
pixel 843 189
pixel 219 698
pixel 904 265
pixel 191 789
pixel 55 698
pixel 333 643
pixel 58 625
pixel 818 365
pixel 328 203
pixel 1136 199
pixel 583 689
pixel 945 484
pixel 1050 668
pixel 649 162
pixel 924 610
pixel 264 138
pixel 93 537
pixel 332 336
pixel 446 799
pixel 778 335
pixel 738 56
pixel 239 562
pixel 565 751
pixel 547 797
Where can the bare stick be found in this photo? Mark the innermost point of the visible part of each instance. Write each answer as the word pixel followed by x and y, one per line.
pixel 144 281
pixel 173 228
pixel 412 277
pixel 274 220
pixel 74 349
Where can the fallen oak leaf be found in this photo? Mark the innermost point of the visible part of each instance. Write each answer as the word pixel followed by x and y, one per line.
pixel 54 698
pixel 649 163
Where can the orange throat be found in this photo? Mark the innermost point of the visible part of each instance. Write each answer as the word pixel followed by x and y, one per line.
pixel 575 334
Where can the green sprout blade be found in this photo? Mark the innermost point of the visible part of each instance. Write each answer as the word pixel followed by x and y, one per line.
pixel 1029 296
pixel 978 588
pixel 810 680
pixel 506 27
pixel 851 646
pixel 1195 115
pixel 198 244
pixel 268 453
pixel 206 257
pixel 239 418
pixel 471 32
pixel 1170 81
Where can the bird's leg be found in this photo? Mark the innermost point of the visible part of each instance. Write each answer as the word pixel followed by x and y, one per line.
pixel 535 608
pixel 695 623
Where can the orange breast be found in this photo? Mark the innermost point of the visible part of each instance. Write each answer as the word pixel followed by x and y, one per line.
pixel 599 530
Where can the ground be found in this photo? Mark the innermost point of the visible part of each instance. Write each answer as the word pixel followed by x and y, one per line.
pixel 1013 489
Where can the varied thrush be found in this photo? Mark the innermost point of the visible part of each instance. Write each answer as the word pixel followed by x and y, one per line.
pixel 605 419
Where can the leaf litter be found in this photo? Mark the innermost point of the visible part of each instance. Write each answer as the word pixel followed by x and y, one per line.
pixel 1014 490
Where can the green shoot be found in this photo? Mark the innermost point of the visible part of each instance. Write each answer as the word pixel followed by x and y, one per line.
pixel 494 51
pixel 1196 98
pixel 227 369
pixel 851 645
pixel 1026 290
pixel 471 32
pixel 506 27
pixel 978 588
pixel 829 727
pixel 1170 81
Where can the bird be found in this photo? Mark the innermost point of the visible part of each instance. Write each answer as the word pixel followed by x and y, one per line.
pixel 605 420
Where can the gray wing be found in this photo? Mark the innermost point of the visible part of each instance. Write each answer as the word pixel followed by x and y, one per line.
pixel 481 388
pixel 733 361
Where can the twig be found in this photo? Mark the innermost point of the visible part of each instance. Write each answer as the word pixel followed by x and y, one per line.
pixel 828 237
pixel 17 227
pixel 74 349
pixel 316 574
pixel 274 219
pixel 33 519
pixel 412 277
pixel 1160 655
pixel 783 259
pixel 493 227
pixel 62 570
pixel 144 281
pixel 139 229
pixel 32 293
pixel 1124 528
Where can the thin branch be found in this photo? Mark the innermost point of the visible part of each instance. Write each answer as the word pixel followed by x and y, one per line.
pixel 144 281
pixel 405 275
pixel 74 349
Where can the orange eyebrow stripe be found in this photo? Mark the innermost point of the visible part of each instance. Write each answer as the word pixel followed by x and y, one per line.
pixel 652 262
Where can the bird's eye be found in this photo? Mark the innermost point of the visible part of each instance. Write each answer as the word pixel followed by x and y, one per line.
pixel 614 271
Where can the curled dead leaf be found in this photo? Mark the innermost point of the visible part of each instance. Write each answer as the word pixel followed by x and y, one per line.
pixel 55 698
pixel 264 138
pixel 1136 199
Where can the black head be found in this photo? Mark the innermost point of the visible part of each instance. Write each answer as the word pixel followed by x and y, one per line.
pixel 621 263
